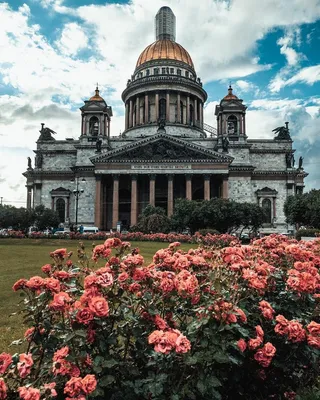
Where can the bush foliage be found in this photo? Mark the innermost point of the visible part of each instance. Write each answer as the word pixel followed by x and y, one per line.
pixel 217 322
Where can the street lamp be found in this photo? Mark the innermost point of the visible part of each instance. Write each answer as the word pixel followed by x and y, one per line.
pixel 77 192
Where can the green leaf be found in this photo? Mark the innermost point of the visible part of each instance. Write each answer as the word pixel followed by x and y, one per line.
pixel 109 363
pixel 106 380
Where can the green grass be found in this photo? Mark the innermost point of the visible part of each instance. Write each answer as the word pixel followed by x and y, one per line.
pixel 23 258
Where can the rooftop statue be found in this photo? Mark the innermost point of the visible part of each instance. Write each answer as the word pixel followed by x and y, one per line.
pixel 282 132
pixel 45 133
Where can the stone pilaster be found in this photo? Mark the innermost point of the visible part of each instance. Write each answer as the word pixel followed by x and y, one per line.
pixel 29 196
pixel 201 113
pixel 195 110
pixel 97 215
pixel 179 109
pixel 134 198
pixel 115 203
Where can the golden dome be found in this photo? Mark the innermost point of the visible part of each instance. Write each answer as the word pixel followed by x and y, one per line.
pixel 164 50
pixel 230 95
pixel 96 96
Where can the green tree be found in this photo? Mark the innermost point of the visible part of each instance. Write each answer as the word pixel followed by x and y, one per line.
pixel 44 218
pixel 153 220
pixel 303 209
pixel 16 218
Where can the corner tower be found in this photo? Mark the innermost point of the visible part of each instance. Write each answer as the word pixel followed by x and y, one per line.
pixel 164 91
pixel 231 117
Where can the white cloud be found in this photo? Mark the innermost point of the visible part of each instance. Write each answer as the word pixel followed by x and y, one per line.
pixel 73 38
pixel 221 37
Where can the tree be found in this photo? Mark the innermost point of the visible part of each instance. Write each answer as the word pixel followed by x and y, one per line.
pixel 13 217
pixel 303 209
pixel 44 218
pixel 153 220
pixel 220 214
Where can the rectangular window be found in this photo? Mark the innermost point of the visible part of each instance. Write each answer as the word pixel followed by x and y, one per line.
pixel 147 72
pixel 163 70
pixel 179 71
pixel 171 70
pixel 156 71
pixel 187 74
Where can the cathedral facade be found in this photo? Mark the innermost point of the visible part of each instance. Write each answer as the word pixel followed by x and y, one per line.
pixel 165 152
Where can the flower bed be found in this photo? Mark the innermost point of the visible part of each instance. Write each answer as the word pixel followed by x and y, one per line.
pixel 236 322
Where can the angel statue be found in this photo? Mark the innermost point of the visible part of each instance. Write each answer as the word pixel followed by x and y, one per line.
pixel 282 132
pixel 45 133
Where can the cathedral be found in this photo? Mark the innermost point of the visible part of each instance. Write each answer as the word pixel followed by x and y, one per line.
pixel 166 150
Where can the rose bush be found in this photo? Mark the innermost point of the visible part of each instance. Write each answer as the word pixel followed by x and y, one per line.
pixel 236 322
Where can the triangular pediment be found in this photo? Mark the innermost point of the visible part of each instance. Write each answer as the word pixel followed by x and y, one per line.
pixel 94 105
pixel 162 148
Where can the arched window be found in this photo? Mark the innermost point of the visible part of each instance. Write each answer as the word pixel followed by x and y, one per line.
pixel 232 124
pixel 266 206
pixel 181 112
pixel 94 126
pixel 191 115
pixel 61 209
pixel 162 108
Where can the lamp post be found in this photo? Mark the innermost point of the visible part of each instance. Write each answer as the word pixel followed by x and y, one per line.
pixel 77 192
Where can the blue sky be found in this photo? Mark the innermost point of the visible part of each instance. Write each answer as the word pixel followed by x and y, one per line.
pixel 52 53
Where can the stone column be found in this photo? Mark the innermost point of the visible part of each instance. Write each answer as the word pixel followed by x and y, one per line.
pixel 152 190
pixel 157 107
pixel 134 203
pixel 109 121
pixel 274 207
pixel 188 110
pixel 146 109
pixel 225 188
pixel 82 125
pixel 201 114
pixel 168 107
pixel 37 194
pixel 29 193
pixel 179 109
pixel 97 215
pixel 170 195
pixel 115 202
pixel 130 114
pixel 196 110
pixel 138 111
pixel 127 117
pixel 189 187
pixel 244 124
pixel 68 208
pixel 206 187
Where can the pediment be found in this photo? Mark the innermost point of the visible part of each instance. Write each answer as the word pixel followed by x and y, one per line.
pixel 162 148
pixel 93 106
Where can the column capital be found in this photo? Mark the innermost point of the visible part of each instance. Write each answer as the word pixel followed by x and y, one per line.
pixel 116 177
pixel 152 176
pixel 188 176
pixel 206 177
pixel 134 177
pixel 170 177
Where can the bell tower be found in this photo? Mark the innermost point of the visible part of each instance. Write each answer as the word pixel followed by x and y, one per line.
pixel 231 118
pixel 96 117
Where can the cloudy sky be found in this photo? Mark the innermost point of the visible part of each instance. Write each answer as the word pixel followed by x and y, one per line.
pixel 52 53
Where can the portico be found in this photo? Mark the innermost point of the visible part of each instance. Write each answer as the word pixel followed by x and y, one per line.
pixel 124 196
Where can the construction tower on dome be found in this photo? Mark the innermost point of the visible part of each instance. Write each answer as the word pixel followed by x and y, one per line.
pixel 165 24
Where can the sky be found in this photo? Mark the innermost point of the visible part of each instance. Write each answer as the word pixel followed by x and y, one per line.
pixel 53 52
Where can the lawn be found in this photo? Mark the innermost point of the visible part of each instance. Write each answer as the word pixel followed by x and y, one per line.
pixel 23 258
